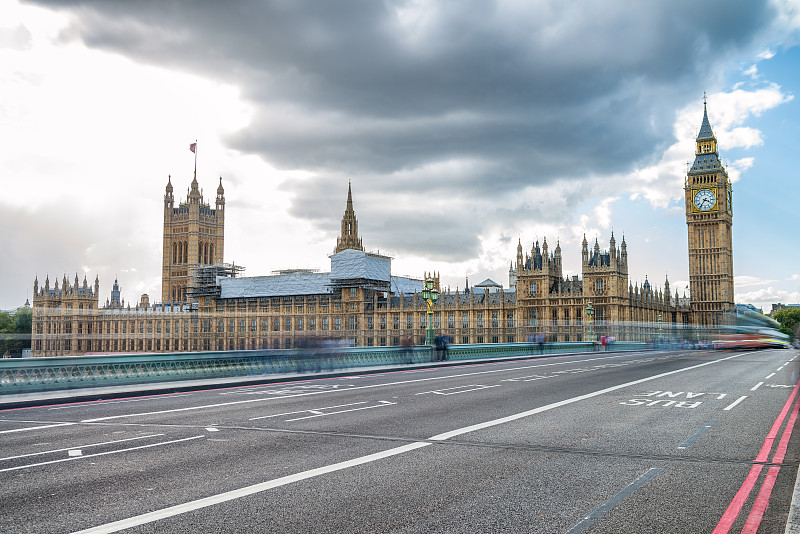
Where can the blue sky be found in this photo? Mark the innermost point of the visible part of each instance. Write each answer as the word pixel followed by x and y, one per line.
pixel 463 128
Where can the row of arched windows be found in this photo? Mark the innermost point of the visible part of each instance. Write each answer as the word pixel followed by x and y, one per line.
pixel 180 253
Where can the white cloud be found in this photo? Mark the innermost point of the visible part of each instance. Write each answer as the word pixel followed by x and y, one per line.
pixel 748 281
pixel 752 71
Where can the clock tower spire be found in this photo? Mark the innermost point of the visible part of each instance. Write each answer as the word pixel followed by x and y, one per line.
pixel 709 217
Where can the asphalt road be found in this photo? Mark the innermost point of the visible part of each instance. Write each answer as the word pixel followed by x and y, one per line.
pixel 649 442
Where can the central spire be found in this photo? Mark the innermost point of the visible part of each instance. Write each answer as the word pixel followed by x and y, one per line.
pixel 349 238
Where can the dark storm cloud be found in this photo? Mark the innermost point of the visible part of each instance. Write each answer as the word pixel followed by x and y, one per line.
pixel 520 94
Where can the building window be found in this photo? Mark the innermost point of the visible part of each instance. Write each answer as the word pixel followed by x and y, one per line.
pixel 369 323
pixel 353 323
pixel 312 323
pixel 510 319
pixel 555 317
pixel 276 325
pixel 464 321
pixel 451 320
pixel 396 324
pixel 479 322
pixel 299 323
pixel 383 322
pixel 337 323
pixel 532 288
pixel 436 321
pixel 409 321
pixel 494 321
pixel 566 317
pixel 288 324
pixel 352 292
pixel 422 320
pixel 324 323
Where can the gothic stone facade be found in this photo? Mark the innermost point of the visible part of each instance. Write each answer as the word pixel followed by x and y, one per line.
pixel 287 309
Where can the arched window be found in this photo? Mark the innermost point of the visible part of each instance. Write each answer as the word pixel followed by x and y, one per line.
pixel 174 253
pixel 185 252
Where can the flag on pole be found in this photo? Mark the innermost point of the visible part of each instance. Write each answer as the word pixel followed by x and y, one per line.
pixel 193 148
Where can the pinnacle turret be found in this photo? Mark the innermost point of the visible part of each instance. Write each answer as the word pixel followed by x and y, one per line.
pixel 349 237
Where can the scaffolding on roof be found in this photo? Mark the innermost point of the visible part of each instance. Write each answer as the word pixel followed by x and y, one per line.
pixel 205 279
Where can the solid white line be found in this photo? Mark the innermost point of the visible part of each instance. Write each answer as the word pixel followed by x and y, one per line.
pixel 769 376
pixel 78 447
pixel 756 386
pixel 290 396
pixel 734 403
pixel 35 428
pixel 248 490
pixel 96 454
pixel 263 486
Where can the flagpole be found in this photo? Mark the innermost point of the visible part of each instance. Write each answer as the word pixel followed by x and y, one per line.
pixel 195 158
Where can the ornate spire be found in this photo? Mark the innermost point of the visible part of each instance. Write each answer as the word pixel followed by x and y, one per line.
pixel 349 238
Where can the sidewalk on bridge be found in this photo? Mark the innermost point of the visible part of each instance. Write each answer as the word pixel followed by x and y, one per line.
pixel 88 394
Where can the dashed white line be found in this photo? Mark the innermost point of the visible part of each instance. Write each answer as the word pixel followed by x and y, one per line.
pixel 757 386
pixel 34 428
pixel 734 403
pixel 97 454
pixel 79 447
pixel 769 376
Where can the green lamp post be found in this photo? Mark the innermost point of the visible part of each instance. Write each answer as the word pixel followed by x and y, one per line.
pixel 430 294
pixel 590 316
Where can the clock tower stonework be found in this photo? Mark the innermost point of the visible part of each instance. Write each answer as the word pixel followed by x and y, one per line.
pixel 709 217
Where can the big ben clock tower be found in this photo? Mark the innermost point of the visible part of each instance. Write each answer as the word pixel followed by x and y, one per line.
pixel 709 216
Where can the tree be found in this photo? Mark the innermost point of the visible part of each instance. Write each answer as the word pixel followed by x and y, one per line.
pixel 789 318
pixel 23 320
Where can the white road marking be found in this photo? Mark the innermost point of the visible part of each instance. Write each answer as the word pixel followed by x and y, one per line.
pixel 769 376
pixel 79 447
pixel 313 410
pixel 97 454
pixel 400 382
pixel 382 404
pixel 74 452
pixel 457 389
pixel 756 386
pixel 212 500
pixel 35 428
pixel 734 403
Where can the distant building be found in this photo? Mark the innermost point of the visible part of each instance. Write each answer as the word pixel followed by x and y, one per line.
pixel 777 307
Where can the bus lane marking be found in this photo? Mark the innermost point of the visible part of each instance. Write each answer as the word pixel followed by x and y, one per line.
pixel 674 399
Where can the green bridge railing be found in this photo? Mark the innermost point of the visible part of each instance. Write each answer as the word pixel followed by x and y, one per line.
pixel 69 372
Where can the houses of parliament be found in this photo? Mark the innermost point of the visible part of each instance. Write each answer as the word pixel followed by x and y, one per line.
pixel 207 305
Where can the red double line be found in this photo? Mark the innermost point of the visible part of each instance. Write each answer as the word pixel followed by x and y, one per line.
pixel 760 505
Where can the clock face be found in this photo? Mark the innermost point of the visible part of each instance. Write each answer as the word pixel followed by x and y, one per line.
pixel 705 199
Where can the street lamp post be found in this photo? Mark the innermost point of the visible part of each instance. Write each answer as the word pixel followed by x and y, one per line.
pixel 430 294
pixel 590 316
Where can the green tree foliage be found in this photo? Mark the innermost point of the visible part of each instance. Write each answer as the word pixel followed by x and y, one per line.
pixel 15 331
pixel 789 319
